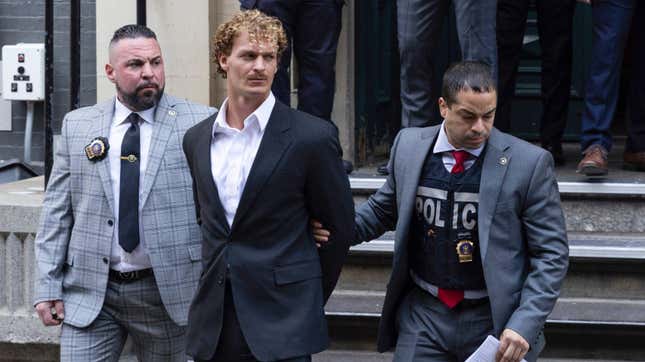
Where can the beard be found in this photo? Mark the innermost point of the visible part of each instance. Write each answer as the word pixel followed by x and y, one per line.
pixel 139 102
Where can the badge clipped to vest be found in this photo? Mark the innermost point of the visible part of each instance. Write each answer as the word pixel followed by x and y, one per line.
pixel 465 249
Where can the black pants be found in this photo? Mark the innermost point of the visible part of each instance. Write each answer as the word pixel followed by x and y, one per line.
pixel 555 18
pixel 232 346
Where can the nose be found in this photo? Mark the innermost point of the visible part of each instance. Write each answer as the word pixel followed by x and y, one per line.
pixel 478 126
pixel 146 71
pixel 259 64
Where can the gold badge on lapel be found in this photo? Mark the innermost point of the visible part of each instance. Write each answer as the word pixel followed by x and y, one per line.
pixel 465 250
pixel 97 149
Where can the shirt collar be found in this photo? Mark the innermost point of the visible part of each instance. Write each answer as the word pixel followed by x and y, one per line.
pixel 443 145
pixel 121 113
pixel 261 115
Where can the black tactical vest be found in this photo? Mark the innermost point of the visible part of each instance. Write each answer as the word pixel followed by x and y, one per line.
pixel 444 226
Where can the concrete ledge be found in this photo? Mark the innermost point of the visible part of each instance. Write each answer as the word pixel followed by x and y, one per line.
pixel 24 327
pixel 20 205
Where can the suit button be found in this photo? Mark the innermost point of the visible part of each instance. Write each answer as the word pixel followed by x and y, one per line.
pixel 228 266
pixel 105 260
pixel 110 222
pixel 220 280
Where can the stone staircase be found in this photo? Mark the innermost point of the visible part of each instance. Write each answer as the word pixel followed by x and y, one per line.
pixel 600 315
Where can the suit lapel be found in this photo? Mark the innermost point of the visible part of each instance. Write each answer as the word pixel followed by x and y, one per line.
pixel 164 123
pixel 274 142
pixel 496 162
pixel 102 129
pixel 413 157
pixel 202 169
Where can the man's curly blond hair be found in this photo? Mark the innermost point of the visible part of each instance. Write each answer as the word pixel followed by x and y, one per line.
pixel 261 28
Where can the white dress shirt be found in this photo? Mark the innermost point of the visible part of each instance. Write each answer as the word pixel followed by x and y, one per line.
pixel 120 259
pixel 443 146
pixel 233 152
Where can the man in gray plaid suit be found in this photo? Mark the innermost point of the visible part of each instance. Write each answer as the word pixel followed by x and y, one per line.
pixel 118 248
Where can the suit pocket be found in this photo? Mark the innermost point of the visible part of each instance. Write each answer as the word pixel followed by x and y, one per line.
pixel 298 272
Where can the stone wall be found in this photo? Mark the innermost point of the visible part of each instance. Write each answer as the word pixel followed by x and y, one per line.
pixel 21 332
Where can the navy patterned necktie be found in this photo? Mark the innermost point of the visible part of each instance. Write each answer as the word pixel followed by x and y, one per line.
pixel 129 186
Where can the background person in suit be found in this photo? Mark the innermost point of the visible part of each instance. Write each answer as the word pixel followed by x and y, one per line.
pixel 612 20
pixel 481 246
pixel 555 28
pixel 260 171
pixel 117 248
pixel 419 25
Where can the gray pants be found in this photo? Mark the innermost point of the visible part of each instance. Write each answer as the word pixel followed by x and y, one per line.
pixel 430 331
pixel 419 31
pixel 133 309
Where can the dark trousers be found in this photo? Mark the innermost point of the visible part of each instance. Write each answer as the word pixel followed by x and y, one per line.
pixel 313 27
pixel 419 25
pixel 430 331
pixel 555 18
pixel 636 133
pixel 611 24
pixel 232 346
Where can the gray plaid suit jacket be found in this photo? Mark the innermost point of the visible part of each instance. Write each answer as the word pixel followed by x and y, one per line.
pixel 74 240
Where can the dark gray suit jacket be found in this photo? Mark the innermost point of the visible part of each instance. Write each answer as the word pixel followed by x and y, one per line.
pixel 522 234
pixel 279 279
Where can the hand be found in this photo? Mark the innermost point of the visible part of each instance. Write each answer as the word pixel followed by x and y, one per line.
pixel 512 347
pixel 51 312
pixel 320 235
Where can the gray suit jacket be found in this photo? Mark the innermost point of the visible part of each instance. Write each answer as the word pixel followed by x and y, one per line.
pixel 522 233
pixel 74 240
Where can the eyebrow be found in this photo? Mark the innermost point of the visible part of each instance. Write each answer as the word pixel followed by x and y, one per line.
pixel 491 111
pixel 470 113
pixel 466 112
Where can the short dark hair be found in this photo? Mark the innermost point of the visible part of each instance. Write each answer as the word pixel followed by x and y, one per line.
pixel 467 76
pixel 132 31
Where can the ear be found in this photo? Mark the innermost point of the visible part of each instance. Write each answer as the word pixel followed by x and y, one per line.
pixel 443 107
pixel 223 62
pixel 109 71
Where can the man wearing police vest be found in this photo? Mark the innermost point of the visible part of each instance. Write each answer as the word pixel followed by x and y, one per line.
pixel 481 246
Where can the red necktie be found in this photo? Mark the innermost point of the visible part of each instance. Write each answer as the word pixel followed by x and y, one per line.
pixel 460 157
pixel 452 297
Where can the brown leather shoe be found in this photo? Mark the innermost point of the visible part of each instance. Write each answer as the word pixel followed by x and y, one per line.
pixel 634 161
pixel 595 161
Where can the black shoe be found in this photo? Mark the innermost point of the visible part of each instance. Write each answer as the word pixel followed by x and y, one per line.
pixel 348 166
pixel 382 170
pixel 556 152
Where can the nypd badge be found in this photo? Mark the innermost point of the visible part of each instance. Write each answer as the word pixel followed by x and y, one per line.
pixel 97 149
pixel 465 250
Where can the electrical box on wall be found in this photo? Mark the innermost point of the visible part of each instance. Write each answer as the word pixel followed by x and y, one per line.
pixel 23 72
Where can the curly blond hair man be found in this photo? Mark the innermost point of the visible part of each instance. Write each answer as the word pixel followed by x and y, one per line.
pixel 260 169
